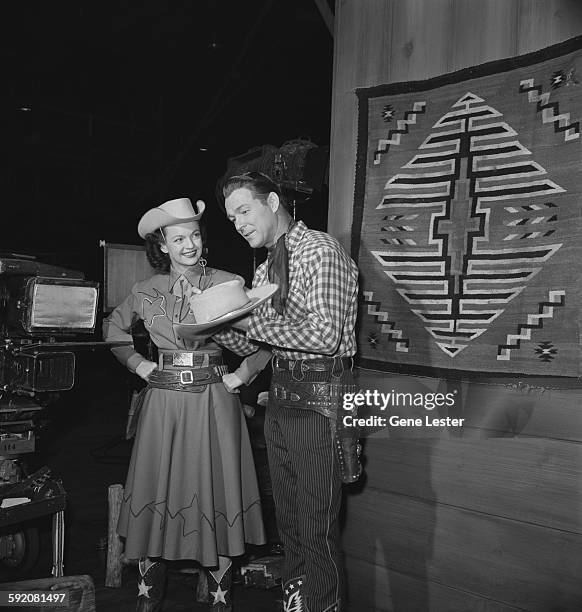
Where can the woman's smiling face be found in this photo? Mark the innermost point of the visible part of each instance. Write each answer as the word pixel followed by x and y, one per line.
pixel 183 243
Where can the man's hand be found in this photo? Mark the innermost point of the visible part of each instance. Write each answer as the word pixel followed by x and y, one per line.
pixel 263 398
pixel 242 323
pixel 231 382
pixel 190 291
pixel 145 368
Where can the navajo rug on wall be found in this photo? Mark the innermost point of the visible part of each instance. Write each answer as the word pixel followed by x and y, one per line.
pixel 468 218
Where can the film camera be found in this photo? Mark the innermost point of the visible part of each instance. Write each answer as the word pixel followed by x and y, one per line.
pixel 45 313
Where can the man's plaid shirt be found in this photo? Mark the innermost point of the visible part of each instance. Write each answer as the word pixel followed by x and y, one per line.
pixel 321 308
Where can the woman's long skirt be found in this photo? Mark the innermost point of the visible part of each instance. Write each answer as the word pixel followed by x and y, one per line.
pixel 191 490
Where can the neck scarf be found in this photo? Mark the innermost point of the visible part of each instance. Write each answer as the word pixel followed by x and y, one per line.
pixel 278 271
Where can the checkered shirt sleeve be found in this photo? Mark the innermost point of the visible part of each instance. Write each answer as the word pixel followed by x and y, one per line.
pixel 236 341
pixel 316 324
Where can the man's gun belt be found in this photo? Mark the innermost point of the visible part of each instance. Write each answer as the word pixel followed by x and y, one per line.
pixel 322 392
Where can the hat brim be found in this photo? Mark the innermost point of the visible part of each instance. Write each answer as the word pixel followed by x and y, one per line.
pixel 257 296
pixel 156 218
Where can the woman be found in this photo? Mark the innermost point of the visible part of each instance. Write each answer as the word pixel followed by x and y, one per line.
pixel 191 490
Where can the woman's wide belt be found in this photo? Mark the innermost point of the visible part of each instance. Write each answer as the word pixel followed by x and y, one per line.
pixel 193 380
pixel 169 360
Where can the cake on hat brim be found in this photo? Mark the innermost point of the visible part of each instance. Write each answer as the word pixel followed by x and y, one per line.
pixel 257 296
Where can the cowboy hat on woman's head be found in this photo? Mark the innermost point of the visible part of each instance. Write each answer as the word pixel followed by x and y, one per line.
pixel 169 213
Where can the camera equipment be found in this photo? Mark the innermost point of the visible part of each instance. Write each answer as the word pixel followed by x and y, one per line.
pixel 33 312
pixel 46 313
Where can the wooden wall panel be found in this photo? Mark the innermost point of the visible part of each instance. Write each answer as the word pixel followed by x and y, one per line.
pixel 389 590
pixel 419 38
pixel 373 61
pixel 487 519
pixel 490 410
pixel 512 562
pixel 484 31
pixel 555 414
pixel 508 478
pixel 542 23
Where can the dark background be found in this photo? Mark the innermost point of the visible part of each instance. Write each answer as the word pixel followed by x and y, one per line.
pixel 111 108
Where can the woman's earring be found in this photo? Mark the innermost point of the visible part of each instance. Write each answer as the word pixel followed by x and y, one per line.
pixel 202 281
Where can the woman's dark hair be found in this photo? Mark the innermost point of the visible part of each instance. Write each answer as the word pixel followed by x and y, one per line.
pixel 257 182
pixel 159 260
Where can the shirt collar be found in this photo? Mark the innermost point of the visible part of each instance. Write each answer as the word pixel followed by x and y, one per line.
pixel 295 235
pixel 175 277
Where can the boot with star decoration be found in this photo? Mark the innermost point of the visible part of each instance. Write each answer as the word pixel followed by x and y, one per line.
pixel 151 586
pixel 220 589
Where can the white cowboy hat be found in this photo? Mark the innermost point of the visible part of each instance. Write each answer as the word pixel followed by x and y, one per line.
pixel 169 213
pixel 257 296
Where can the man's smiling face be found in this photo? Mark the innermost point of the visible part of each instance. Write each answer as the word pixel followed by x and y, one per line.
pixel 254 218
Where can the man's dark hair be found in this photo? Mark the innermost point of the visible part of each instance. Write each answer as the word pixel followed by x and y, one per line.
pixel 257 182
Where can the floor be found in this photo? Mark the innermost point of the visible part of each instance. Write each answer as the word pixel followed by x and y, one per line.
pixel 83 444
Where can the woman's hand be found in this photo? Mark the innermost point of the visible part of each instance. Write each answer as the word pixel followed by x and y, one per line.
pixel 145 368
pixel 231 382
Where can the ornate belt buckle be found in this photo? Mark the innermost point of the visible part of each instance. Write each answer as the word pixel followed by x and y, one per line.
pixel 182 359
pixel 320 389
pixel 186 377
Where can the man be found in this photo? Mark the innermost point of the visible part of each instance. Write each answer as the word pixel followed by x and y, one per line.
pixel 310 326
